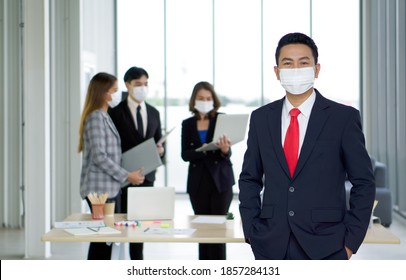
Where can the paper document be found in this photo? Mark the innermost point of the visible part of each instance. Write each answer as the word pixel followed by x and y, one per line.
pixel 92 230
pixel 163 138
pixel 209 220
pixel 143 155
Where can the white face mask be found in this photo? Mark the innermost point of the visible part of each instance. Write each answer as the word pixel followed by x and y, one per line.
pixel 297 80
pixel 115 99
pixel 140 93
pixel 204 106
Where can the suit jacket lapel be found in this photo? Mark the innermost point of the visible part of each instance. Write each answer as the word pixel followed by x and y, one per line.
pixel 111 125
pixel 317 120
pixel 148 133
pixel 129 117
pixel 210 132
pixel 275 130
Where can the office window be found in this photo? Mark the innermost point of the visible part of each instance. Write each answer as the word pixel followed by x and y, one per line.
pixel 140 42
pixel 237 62
pixel 230 43
pixel 189 57
pixel 335 29
pixel 279 18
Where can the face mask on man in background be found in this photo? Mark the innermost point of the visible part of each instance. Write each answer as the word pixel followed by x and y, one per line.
pixel 140 93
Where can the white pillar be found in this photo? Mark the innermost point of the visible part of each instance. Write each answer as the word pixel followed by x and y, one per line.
pixel 2 118
pixel 37 127
pixel 10 114
pixel 75 90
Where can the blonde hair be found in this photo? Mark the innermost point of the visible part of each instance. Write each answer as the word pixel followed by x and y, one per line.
pixel 99 85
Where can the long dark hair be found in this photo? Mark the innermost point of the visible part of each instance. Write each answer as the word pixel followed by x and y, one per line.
pixel 99 85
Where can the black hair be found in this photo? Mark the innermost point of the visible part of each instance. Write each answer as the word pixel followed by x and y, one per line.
pixel 296 38
pixel 134 73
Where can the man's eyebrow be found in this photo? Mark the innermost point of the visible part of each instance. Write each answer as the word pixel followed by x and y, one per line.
pixel 286 59
pixel 290 59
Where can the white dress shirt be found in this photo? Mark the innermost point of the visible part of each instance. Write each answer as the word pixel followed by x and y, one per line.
pixel 303 118
pixel 133 109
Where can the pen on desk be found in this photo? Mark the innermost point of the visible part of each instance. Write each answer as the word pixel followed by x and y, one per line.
pixel 92 229
pixel 147 229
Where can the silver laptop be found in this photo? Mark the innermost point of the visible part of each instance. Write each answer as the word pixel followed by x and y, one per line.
pixel 234 126
pixel 143 155
pixel 150 203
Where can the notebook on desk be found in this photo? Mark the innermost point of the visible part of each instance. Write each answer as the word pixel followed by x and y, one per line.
pixel 233 126
pixel 150 203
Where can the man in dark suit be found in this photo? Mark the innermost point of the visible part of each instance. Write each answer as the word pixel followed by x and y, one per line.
pixel 299 151
pixel 136 121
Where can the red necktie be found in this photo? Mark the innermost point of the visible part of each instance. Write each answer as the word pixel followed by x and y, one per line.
pixel 291 145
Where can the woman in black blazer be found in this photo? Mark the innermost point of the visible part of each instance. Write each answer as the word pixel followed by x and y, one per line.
pixel 210 177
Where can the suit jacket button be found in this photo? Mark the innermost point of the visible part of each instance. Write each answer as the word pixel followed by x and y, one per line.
pixel 194 165
pixel 192 144
pixel 291 213
pixel 291 189
pixel 216 162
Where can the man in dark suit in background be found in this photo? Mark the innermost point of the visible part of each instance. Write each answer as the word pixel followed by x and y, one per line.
pixel 299 151
pixel 136 121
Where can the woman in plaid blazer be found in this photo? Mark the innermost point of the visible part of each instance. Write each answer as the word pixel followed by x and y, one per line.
pixel 101 147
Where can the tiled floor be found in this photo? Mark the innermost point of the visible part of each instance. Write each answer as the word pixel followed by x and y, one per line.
pixel 12 244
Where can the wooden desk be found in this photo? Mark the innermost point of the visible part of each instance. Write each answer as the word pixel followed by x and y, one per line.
pixel 205 233
pixel 378 234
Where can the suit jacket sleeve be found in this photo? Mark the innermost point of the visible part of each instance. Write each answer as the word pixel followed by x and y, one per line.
pixel 250 181
pixel 96 132
pixel 359 169
pixel 158 132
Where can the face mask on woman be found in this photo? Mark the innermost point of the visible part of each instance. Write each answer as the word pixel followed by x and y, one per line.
pixel 204 106
pixel 297 80
pixel 115 99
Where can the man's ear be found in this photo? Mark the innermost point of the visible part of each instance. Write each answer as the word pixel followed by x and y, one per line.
pixel 128 86
pixel 276 70
pixel 316 70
